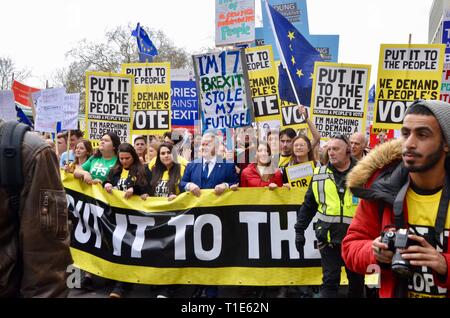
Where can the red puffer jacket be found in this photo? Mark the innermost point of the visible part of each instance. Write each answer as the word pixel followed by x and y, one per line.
pixel 250 177
pixel 377 179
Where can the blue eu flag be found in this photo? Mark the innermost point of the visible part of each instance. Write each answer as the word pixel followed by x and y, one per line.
pixel 297 56
pixel 372 94
pixel 145 46
pixel 22 118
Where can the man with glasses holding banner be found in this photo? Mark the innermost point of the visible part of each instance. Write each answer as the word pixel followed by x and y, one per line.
pixel 331 201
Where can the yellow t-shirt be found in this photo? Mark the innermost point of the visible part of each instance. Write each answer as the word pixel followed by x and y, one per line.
pixel 284 160
pixel 180 160
pixel 161 190
pixel 122 183
pixel 422 213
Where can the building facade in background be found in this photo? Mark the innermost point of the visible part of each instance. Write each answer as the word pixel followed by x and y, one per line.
pixel 437 11
pixel 439 32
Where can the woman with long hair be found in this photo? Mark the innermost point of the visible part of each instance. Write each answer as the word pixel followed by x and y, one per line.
pixel 83 150
pixel 302 152
pixel 166 173
pixel 96 169
pixel 152 150
pixel 129 174
pixel 262 173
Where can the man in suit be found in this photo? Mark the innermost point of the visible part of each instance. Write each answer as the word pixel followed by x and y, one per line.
pixel 209 171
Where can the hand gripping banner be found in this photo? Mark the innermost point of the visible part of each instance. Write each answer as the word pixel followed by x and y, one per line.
pixel 245 237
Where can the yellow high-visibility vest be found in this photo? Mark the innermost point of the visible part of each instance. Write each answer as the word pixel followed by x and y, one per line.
pixel 331 209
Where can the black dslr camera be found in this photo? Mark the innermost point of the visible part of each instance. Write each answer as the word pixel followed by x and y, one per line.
pixel 396 241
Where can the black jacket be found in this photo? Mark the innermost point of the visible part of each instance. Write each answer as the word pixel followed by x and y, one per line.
pixel 131 182
pixel 310 206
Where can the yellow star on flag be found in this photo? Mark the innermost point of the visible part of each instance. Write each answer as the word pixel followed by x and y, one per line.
pixel 300 73
pixel 311 77
pixel 293 60
pixel 291 35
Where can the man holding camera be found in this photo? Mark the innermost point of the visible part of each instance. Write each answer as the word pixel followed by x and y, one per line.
pixel 405 186
pixel 330 200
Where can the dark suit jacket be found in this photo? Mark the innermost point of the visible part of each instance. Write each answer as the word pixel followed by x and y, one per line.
pixel 222 172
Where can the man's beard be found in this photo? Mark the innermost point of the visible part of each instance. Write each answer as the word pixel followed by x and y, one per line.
pixel 431 159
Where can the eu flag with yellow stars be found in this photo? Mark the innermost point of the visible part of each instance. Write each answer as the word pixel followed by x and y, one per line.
pixel 372 94
pixel 22 118
pixel 145 46
pixel 297 60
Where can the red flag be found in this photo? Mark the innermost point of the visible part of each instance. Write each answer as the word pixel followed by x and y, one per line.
pixel 379 136
pixel 22 93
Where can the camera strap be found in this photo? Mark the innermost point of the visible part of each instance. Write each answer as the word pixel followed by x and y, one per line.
pixel 398 206
pixel 442 209
pixel 401 286
pixel 439 226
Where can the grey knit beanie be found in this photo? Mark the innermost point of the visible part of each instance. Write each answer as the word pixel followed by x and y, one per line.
pixel 440 110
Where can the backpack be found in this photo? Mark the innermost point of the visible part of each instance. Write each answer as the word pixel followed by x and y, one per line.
pixel 11 174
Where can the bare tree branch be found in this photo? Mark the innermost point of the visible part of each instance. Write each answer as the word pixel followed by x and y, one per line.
pixel 119 47
pixel 8 69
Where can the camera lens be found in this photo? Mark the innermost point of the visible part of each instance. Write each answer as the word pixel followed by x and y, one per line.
pixel 388 238
pixel 400 266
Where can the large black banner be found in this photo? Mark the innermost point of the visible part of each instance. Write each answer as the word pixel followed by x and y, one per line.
pixel 244 237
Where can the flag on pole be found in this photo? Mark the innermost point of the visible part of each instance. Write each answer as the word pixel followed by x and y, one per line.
pixel 22 118
pixel 22 93
pixel 297 57
pixel 147 50
pixel 372 94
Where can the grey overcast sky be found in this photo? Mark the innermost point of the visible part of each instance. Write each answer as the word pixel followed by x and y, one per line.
pixel 37 34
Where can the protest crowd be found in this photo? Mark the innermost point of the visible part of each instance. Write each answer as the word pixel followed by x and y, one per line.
pixel 261 195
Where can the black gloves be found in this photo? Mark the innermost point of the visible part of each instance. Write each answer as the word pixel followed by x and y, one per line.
pixel 299 239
